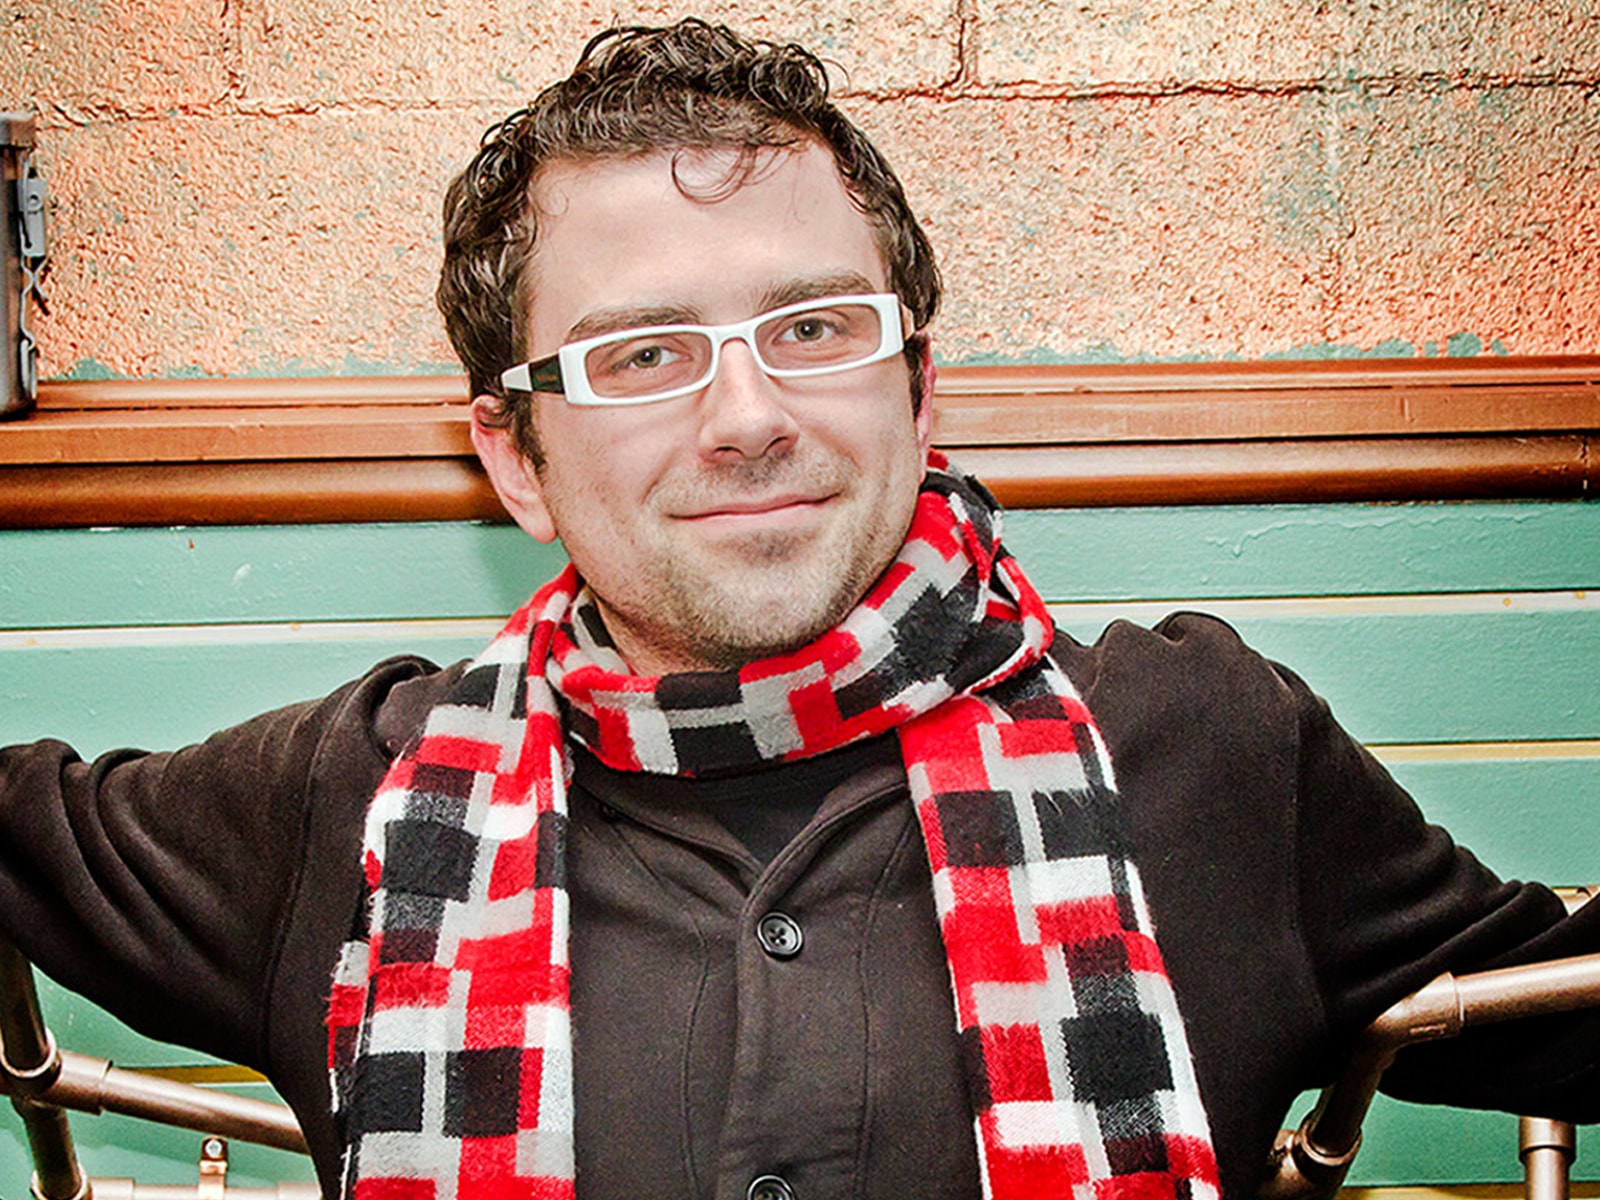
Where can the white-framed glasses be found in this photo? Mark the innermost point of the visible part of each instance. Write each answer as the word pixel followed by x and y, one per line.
pixel 640 366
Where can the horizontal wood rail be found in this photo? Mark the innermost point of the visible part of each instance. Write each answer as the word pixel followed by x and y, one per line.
pixel 195 451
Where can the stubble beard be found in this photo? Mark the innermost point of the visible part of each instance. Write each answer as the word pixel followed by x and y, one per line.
pixel 769 593
pixel 785 599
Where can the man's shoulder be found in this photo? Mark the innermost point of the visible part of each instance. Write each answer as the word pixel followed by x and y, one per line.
pixel 1188 686
pixel 404 691
pixel 1183 654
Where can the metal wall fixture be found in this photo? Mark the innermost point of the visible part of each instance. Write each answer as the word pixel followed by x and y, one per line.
pixel 22 208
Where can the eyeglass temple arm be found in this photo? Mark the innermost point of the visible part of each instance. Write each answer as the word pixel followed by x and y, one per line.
pixel 541 376
pixel 1310 1162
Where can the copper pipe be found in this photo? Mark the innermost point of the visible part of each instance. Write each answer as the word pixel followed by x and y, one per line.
pixel 40 1078
pixel 56 1173
pixel 27 1052
pixel 1547 1149
pixel 1313 1160
pixel 1531 991
pixel 94 1085
pixel 30 1065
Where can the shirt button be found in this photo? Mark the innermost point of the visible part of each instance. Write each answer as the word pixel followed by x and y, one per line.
pixel 769 1187
pixel 780 937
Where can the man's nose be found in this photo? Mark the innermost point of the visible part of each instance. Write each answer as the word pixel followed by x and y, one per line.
pixel 742 410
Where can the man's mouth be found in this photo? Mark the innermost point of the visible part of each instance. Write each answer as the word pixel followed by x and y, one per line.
pixel 764 512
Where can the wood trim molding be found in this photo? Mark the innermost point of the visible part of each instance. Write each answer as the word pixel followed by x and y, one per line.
pixel 396 448
pixel 254 493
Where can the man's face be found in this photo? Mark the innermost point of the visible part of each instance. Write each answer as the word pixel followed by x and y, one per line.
pixel 749 517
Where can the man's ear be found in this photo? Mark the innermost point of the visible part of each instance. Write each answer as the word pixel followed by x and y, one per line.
pixel 924 417
pixel 513 476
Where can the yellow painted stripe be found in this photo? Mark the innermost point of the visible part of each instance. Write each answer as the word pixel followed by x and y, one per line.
pixel 1145 612
pixel 203 1073
pixel 1485 751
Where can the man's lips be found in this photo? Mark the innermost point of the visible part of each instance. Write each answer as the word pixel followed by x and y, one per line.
pixel 764 510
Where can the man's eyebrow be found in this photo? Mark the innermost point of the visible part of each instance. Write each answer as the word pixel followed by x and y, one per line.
pixel 798 291
pixel 795 291
pixel 610 320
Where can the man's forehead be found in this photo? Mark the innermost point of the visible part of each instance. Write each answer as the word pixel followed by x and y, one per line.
pixel 706 175
pixel 666 228
pixel 709 172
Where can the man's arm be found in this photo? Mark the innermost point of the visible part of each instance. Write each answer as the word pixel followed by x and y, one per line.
pixel 1298 891
pixel 1389 901
pixel 161 885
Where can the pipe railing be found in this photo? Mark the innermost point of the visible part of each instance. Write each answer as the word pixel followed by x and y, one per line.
pixel 45 1082
pixel 1310 1162
pixel 1547 1149
pixel 30 1065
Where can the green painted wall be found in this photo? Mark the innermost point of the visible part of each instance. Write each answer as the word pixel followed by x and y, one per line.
pixel 1459 640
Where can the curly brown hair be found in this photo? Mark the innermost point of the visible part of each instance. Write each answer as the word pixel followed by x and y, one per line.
pixel 637 89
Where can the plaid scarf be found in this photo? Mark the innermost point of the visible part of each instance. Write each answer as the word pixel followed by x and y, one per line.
pixel 450 1031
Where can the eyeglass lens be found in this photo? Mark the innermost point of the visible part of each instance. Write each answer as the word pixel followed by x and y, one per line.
pixel 828 337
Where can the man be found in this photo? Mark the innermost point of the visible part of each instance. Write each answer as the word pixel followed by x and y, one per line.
pixel 777 849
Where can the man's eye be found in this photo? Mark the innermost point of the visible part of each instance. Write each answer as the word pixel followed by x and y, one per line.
pixel 648 356
pixel 810 328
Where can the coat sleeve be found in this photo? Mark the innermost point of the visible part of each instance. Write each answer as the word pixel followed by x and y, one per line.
pixel 160 885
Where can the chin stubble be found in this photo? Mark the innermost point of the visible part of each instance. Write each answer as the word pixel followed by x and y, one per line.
pixel 774 610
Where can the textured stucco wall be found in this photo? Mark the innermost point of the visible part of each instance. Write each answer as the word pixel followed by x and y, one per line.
pixel 250 186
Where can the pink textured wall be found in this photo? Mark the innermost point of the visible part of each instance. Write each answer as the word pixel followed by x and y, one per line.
pixel 251 187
